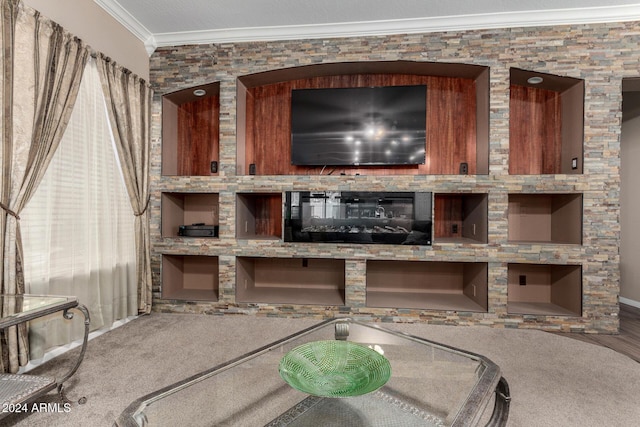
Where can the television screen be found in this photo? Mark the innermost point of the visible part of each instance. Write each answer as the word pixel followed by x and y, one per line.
pixel 359 126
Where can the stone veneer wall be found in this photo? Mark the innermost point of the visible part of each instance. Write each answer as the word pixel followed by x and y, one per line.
pixel 600 54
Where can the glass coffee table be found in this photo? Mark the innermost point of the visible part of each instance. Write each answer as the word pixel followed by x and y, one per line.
pixel 16 390
pixel 430 384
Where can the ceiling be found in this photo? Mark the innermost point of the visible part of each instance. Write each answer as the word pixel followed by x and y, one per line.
pixel 170 22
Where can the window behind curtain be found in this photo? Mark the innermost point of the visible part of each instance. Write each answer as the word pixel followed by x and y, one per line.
pixel 78 229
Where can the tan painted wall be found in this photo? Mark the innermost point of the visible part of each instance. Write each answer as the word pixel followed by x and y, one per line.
pixel 88 21
pixel 630 198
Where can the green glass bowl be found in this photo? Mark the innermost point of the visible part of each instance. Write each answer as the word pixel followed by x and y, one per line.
pixel 334 369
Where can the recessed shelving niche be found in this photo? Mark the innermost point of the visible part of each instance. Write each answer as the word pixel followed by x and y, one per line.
pixel 190 131
pixel 187 209
pixel 259 216
pixel 430 285
pixel 548 218
pixel 307 281
pixel 190 277
pixel 457 115
pixel 543 289
pixel 460 218
pixel 546 124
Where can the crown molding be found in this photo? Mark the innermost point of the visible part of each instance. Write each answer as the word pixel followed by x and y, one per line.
pixel 120 14
pixel 534 18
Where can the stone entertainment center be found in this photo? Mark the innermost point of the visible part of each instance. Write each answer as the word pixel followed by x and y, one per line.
pixel 526 237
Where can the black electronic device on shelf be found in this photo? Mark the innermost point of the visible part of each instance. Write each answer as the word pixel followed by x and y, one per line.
pixel 198 230
pixel 399 218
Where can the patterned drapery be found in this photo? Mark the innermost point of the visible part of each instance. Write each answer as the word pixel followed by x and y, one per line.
pixel 128 100
pixel 42 67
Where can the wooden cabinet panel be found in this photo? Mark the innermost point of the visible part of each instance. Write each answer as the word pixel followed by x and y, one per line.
pixel 447 216
pixel 198 131
pixel 535 138
pixel 451 124
pixel 269 215
pixel 190 130
pixel 259 215
pixel 461 217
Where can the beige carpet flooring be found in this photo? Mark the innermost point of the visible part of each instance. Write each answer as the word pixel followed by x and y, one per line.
pixel 554 380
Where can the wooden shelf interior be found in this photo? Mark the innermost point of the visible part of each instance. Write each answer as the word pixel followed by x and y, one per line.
pixel 190 277
pixel 190 131
pixel 551 218
pixel 544 289
pixel 461 217
pixel 546 124
pixel 186 209
pixel 310 281
pixel 259 215
pixel 431 285
pixel 456 94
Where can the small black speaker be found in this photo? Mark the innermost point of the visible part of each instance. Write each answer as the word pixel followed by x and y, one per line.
pixel 252 169
pixel 214 167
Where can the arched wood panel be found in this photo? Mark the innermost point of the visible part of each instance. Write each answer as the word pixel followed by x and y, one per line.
pixel 451 124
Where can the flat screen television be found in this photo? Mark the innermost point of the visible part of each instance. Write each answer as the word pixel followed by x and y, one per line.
pixel 359 126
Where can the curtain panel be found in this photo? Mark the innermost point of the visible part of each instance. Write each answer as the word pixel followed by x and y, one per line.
pixel 78 228
pixel 42 68
pixel 128 100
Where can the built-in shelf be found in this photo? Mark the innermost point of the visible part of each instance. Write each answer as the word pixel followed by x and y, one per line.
pixel 190 131
pixel 259 216
pixel 545 137
pixel 429 285
pixel 186 209
pixel 190 277
pixel 544 289
pixel 457 111
pixel 306 281
pixel 548 218
pixel 546 123
pixel 460 218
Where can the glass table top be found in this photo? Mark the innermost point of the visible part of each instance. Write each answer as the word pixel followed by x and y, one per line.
pixel 430 385
pixel 21 308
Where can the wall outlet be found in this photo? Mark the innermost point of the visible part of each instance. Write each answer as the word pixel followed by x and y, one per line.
pixel 464 168
pixel 454 228
pixel 522 280
pixel 574 163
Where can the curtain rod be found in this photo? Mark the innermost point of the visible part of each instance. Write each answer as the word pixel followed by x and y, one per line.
pixel 95 54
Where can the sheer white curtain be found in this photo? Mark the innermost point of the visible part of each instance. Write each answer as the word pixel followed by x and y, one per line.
pixel 78 229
